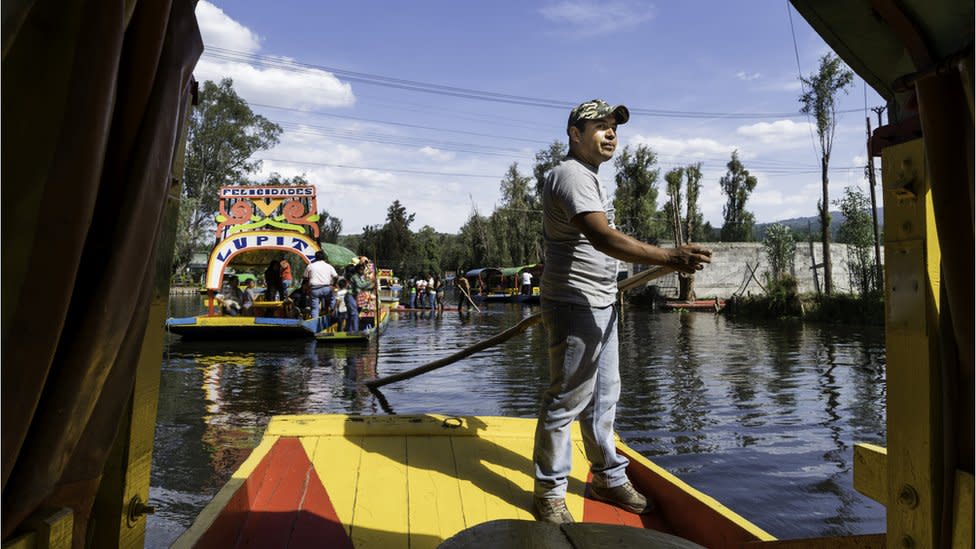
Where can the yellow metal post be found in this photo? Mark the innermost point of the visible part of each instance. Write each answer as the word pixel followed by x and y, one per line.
pixel 915 425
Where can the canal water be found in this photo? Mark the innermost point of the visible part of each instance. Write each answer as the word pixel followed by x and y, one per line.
pixel 761 416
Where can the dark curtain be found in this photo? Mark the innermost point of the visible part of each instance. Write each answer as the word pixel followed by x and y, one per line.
pixel 95 96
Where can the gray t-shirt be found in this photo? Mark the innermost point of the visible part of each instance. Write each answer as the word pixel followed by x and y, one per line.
pixel 575 272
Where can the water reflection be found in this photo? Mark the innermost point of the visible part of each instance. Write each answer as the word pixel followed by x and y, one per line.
pixel 761 416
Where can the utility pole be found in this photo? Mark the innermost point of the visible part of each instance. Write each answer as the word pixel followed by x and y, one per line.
pixel 878 272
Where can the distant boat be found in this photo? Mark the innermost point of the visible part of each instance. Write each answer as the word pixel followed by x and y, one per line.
pixel 504 285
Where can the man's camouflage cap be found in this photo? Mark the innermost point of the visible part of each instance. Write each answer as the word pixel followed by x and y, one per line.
pixel 595 109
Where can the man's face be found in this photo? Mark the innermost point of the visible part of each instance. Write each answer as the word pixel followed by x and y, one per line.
pixel 597 141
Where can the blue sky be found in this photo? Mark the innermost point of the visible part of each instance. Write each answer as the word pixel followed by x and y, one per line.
pixel 431 101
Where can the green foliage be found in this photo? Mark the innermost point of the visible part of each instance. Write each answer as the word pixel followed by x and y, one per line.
pixel 819 97
pixel 780 247
pixel 819 100
pixel 693 214
pixel 223 133
pixel 475 240
pixel 635 199
pixel 857 232
pixel 392 244
pixel 516 224
pixel 330 227
pixel 545 161
pixel 737 184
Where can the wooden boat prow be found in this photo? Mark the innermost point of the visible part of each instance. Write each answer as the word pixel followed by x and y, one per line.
pixel 415 481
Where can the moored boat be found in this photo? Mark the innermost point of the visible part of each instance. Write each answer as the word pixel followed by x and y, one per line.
pixel 415 481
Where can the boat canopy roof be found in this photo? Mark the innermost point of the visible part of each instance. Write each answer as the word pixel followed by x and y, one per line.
pixel 510 271
pixel 485 270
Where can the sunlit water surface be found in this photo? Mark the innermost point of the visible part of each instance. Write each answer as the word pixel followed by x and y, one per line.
pixel 763 417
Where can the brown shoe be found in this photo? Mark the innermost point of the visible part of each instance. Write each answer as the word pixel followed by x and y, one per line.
pixel 552 510
pixel 623 496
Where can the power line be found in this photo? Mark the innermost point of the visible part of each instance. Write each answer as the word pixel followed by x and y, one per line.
pixel 224 54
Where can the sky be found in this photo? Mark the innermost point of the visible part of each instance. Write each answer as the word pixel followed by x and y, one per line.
pixel 430 102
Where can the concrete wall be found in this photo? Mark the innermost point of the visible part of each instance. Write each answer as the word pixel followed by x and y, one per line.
pixel 731 263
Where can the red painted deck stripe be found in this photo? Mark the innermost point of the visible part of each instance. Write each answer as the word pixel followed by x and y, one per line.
pixel 288 506
pixel 604 513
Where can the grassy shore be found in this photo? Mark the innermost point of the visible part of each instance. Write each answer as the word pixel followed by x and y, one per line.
pixel 838 309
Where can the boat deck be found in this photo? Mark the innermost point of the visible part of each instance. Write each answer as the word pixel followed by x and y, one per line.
pixel 414 481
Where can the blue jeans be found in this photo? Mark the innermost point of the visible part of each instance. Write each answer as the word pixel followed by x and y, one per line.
pixel 584 383
pixel 352 313
pixel 318 294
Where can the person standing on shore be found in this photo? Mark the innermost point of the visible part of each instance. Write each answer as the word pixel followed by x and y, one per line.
pixel 579 312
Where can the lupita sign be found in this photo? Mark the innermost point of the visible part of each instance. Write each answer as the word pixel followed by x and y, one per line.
pixel 259 240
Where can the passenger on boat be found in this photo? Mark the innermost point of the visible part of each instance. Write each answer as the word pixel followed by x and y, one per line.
pixel 341 308
pixel 361 288
pixel 412 284
pixel 526 283
pixel 272 281
pixel 299 302
pixel 286 277
pixel 320 276
pixel 230 299
pixel 579 293
pixel 247 298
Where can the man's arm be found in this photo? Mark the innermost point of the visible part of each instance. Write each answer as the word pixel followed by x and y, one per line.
pixel 594 225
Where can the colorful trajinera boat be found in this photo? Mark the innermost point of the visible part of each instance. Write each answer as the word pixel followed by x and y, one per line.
pixel 372 323
pixel 416 481
pixel 256 224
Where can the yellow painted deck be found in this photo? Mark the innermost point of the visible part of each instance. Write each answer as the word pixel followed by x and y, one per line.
pixel 414 481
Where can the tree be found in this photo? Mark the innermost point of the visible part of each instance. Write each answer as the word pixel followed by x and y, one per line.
pixel 428 251
pixel 737 184
pixel 223 133
pixel 395 240
pixel 330 227
pixel 780 247
pixel 857 231
pixel 693 215
pixel 516 223
pixel 688 228
pixel 545 161
pixel 475 240
pixel 819 100
pixel 635 199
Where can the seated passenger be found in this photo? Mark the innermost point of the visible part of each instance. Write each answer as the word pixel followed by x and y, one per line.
pixel 230 299
pixel 248 297
pixel 299 304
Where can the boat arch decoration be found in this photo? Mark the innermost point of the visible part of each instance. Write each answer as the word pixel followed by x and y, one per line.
pixel 238 243
pixel 263 207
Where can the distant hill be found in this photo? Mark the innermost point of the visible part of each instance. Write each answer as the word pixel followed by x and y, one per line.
pixel 802 225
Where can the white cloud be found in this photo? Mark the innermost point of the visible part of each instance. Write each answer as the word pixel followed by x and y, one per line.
pixel 223 32
pixel 594 17
pixel 436 154
pixel 781 132
pixel 279 85
pixel 742 75
pixel 694 148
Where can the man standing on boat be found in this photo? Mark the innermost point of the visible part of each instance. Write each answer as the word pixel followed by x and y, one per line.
pixel 320 277
pixel 579 288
